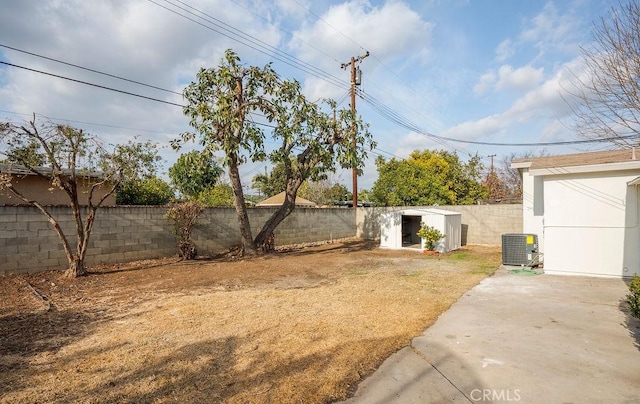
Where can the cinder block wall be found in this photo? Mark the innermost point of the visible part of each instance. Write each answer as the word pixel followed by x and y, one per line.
pixel 481 224
pixel 28 243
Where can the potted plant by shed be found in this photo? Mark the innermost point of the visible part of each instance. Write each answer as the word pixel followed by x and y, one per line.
pixel 431 236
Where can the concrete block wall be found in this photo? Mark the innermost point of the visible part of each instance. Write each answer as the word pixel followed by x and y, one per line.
pixel 28 243
pixel 481 224
pixel 485 224
pixel 217 229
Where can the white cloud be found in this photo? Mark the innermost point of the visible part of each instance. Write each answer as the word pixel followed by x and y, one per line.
pixel 544 102
pixel 549 30
pixel 135 40
pixel 542 25
pixel 523 78
pixel 486 83
pixel 508 78
pixel 487 126
pixel 410 142
pixel 389 31
pixel 504 50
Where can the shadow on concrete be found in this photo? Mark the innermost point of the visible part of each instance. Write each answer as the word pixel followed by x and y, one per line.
pixel 429 374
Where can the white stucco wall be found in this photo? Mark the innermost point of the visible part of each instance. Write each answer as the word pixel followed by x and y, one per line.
pixel 588 223
pixel 533 206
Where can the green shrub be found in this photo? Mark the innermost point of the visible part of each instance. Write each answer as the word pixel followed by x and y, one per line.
pixel 216 196
pixel 633 298
pixel 145 191
pixel 431 235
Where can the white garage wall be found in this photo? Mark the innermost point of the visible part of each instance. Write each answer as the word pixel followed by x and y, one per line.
pixel 533 206
pixel 591 224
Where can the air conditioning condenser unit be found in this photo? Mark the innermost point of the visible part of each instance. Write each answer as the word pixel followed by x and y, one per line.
pixel 519 249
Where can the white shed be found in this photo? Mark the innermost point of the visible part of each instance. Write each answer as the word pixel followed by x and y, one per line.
pixel 398 229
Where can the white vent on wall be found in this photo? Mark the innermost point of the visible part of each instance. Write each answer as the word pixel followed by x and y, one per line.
pixel 519 249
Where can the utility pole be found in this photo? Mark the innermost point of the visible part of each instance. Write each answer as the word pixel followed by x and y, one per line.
pixel 355 81
pixel 491 156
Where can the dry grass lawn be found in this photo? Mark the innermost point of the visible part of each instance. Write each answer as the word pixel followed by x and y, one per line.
pixel 301 325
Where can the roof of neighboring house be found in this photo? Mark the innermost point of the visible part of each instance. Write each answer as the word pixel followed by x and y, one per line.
pixel 278 200
pixel 578 159
pixel 17 169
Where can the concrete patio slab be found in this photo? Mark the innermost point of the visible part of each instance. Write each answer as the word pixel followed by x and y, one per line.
pixel 533 339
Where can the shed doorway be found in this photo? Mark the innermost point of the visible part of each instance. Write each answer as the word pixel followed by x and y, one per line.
pixel 410 227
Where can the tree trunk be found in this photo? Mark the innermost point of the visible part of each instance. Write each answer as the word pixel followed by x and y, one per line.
pixel 247 246
pixel 56 226
pixel 76 269
pixel 278 216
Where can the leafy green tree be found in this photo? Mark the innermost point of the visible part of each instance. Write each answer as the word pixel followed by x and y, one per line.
pixel 270 184
pixel 217 196
pixel 26 152
pixel 144 191
pixel 311 142
pixel 364 195
pixel 428 178
pixel 73 157
pixel 194 172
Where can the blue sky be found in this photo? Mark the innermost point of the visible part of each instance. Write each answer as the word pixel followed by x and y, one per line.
pixel 490 71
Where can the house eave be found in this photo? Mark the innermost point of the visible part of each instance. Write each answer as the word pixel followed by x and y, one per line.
pixel 519 165
pixel 627 165
pixel 635 181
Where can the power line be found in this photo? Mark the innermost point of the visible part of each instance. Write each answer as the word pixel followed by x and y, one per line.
pixel 382 109
pixel 328 25
pixel 91 84
pixel 89 123
pixel 88 69
pixel 394 117
pixel 363 48
pixel 251 42
pixel 283 30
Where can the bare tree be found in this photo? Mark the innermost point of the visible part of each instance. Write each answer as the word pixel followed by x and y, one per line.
pixel 605 97
pixel 510 177
pixel 72 158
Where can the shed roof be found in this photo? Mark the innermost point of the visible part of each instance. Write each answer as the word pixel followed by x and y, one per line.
pixel 424 211
pixel 578 159
pixel 278 200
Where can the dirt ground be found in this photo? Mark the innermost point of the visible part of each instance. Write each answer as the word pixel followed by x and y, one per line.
pixel 302 325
